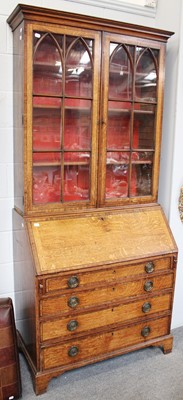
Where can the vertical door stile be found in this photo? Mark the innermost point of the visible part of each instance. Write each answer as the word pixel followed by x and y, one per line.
pixel 103 117
pixel 63 117
pixel 158 116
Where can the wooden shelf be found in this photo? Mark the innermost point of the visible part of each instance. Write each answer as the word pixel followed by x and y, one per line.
pixel 126 111
pixel 46 164
pixel 142 162
pixel 122 150
pixel 119 111
pixel 127 163
pixel 86 110
pixel 53 164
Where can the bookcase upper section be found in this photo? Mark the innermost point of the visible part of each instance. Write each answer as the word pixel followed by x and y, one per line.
pixel 88 115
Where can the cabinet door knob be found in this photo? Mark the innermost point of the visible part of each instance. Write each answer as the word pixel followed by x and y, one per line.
pixel 145 331
pixel 149 267
pixel 148 286
pixel 73 282
pixel 72 325
pixel 73 351
pixel 73 302
pixel 146 307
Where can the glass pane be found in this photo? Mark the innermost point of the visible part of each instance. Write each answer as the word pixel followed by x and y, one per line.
pixel 141 181
pixel 37 35
pixel 46 123
pixel 47 68
pixel 77 130
pixel 118 128
pixel 144 127
pixel 76 157
pixel 120 73
pixel 46 184
pixel 76 182
pixel 46 159
pixel 79 70
pixel 142 156
pixel 117 157
pixel 116 181
pixel 146 76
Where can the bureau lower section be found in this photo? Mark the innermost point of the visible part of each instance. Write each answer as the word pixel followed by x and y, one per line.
pixel 88 316
pixel 73 312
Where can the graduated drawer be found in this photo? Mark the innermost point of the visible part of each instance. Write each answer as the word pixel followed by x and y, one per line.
pixel 108 274
pixel 95 347
pixel 103 295
pixel 68 326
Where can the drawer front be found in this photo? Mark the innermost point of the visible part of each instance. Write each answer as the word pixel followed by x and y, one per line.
pixel 106 275
pixel 105 343
pixel 87 299
pixel 65 327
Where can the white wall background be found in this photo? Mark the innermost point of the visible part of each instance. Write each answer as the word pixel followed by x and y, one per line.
pixel 169 16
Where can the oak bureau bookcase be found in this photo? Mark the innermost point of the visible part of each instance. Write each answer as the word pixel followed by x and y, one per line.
pixel 94 256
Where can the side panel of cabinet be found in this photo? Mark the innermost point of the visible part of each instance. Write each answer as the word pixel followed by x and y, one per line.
pixel 25 300
pixel 18 115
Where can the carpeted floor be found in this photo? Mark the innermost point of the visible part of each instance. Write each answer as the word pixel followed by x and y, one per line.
pixel 142 375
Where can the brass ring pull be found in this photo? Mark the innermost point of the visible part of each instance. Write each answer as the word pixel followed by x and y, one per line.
pixel 73 282
pixel 149 267
pixel 146 307
pixel 145 331
pixel 72 325
pixel 73 302
pixel 73 351
pixel 148 286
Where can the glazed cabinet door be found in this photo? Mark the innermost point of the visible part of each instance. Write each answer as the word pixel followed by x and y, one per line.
pixel 62 114
pixel 133 74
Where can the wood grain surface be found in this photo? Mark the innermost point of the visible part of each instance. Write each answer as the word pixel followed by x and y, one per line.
pixel 91 240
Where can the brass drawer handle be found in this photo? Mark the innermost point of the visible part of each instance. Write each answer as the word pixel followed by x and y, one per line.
pixel 145 331
pixel 72 325
pixel 149 267
pixel 148 286
pixel 73 282
pixel 73 351
pixel 146 307
pixel 73 302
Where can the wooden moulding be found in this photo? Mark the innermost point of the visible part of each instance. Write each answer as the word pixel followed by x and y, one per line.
pixel 38 14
